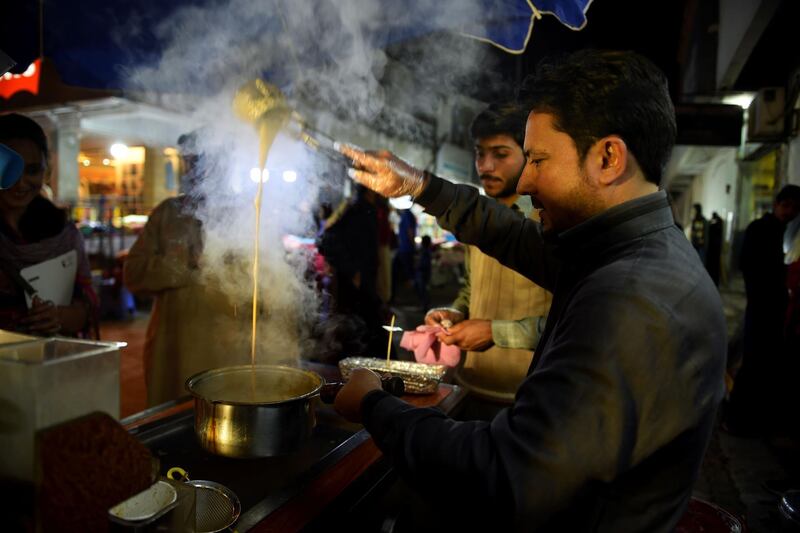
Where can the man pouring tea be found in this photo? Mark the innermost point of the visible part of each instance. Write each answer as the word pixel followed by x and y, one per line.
pixel 608 430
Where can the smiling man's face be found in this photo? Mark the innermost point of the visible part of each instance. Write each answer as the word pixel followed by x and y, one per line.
pixel 555 177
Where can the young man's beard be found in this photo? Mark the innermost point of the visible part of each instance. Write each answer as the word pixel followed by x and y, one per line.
pixel 509 188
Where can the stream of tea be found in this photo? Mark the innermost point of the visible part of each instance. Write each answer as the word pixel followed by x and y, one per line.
pixel 259 193
pixel 262 105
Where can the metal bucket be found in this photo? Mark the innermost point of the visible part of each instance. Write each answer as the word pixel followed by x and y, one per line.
pixel 253 411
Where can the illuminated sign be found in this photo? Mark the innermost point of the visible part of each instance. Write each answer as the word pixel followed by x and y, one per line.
pixel 11 84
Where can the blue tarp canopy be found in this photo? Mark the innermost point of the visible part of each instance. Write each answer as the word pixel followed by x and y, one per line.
pixel 95 43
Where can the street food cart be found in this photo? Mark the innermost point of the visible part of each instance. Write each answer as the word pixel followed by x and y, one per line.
pixel 59 461
pixel 331 476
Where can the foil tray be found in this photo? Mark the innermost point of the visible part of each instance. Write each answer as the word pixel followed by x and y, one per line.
pixel 418 378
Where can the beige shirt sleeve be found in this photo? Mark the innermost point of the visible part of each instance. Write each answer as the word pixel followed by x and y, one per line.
pixel 520 334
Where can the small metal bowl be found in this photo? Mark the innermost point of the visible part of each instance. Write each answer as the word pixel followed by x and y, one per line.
pixel 418 378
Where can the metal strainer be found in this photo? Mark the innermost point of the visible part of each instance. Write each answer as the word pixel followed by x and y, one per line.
pixel 216 507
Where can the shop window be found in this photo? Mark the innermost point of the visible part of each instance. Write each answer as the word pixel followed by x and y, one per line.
pixel 110 182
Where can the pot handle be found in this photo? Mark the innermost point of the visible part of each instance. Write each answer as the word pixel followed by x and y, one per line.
pixel 392 384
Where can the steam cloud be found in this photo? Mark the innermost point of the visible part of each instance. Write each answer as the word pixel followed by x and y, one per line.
pixel 325 56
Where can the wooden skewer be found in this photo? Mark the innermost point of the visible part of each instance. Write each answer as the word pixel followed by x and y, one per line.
pixel 389 347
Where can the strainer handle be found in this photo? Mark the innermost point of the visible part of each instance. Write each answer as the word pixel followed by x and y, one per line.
pixel 177 473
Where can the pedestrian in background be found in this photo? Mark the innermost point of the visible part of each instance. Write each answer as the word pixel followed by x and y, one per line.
pixel 714 247
pixel 752 409
pixel 403 261
pixel 699 232
pixel 422 276
pixel 194 324
pixel 386 238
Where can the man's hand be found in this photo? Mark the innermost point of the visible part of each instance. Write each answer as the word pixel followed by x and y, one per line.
pixel 348 402
pixel 42 319
pixel 443 316
pixel 384 173
pixel 469 335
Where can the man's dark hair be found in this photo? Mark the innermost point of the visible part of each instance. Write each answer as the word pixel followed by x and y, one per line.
pixel 789 192
pixel 595 93
pixel 15 126
pixel 500 118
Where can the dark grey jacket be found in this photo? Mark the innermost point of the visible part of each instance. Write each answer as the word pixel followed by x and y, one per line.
pixel 608 431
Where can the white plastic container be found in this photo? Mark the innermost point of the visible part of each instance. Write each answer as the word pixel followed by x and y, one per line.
pixel 45 381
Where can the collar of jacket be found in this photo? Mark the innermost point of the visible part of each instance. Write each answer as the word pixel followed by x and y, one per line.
pixel 621 223
pixel 770 217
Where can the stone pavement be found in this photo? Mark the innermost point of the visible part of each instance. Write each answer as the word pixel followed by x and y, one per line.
pixel 736 468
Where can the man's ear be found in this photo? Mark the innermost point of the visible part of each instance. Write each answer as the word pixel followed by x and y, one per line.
pixel 610 159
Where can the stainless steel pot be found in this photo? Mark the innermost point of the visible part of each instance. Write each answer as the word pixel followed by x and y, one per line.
pixel 261 410
pixel 253 411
